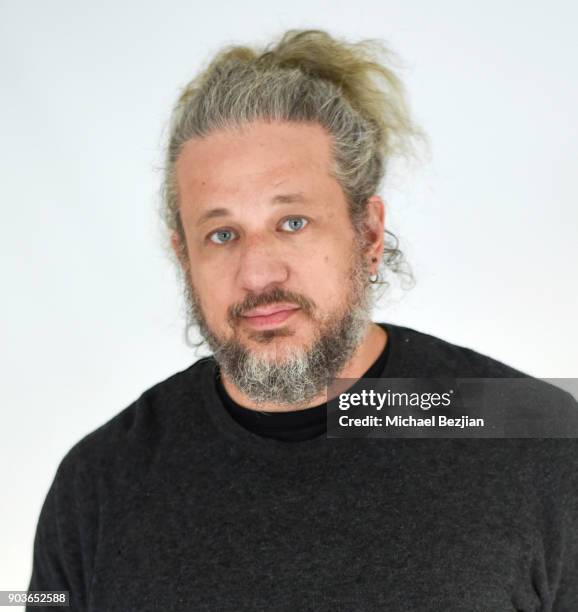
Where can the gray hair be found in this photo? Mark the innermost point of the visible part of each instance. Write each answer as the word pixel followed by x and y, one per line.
pixel 306 76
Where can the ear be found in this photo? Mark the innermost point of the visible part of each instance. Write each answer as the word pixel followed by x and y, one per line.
pixel 180 250
pixel 374 229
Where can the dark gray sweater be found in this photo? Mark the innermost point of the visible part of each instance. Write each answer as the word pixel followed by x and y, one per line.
pixel 173 505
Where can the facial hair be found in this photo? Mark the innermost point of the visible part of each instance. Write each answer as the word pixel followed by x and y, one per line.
pixel 304 372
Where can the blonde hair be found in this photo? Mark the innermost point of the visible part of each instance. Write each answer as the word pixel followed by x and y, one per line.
pixel 306 76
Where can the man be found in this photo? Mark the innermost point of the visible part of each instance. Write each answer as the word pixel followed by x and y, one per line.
pixel 218 489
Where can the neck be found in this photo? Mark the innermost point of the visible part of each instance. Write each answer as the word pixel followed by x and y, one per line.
pixel 362 359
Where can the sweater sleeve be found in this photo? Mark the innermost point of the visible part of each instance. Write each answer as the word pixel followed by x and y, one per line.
pixel 62 555
pixel 565 594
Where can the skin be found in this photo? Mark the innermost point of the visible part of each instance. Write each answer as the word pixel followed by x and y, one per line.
pixel 265 247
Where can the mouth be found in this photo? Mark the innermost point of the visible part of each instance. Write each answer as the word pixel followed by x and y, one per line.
pixel 270 317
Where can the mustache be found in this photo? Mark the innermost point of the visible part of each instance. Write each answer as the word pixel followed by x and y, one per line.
pixel 275 296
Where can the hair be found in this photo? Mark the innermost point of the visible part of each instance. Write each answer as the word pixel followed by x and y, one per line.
pixel 306 76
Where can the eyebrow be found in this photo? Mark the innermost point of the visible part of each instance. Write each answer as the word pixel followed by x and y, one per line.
pixel 280 198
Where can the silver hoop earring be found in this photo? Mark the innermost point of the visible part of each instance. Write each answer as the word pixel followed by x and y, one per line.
pixel 373 278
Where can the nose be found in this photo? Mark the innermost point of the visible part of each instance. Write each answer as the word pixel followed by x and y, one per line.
pixel 260 265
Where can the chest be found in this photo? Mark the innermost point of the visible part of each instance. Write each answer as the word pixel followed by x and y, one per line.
pixel 348 538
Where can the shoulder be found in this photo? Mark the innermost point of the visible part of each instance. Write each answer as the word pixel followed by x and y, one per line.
pixel 528 399
pixel 134 435
pixel 111 461
pixel 432 355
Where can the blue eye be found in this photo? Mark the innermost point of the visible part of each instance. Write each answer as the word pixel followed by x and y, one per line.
pixel 296 223
pixel 222 236
pixel 225 235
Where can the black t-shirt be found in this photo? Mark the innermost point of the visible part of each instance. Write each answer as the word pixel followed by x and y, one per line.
pixel 293 425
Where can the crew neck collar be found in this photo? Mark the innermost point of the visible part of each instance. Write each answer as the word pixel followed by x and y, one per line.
pixel 239 435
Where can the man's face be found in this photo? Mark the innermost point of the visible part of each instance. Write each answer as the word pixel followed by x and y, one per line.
pixel 276 279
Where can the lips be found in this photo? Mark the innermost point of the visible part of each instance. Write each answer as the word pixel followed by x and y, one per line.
pixel 270 310
pixel 269 317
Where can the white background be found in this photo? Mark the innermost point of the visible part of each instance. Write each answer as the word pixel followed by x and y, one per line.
pixel 91 310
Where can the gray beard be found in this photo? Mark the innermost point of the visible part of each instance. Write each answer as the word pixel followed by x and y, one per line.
pixel 304 373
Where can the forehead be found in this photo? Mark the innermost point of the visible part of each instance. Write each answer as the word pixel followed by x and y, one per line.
pixel 259 156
